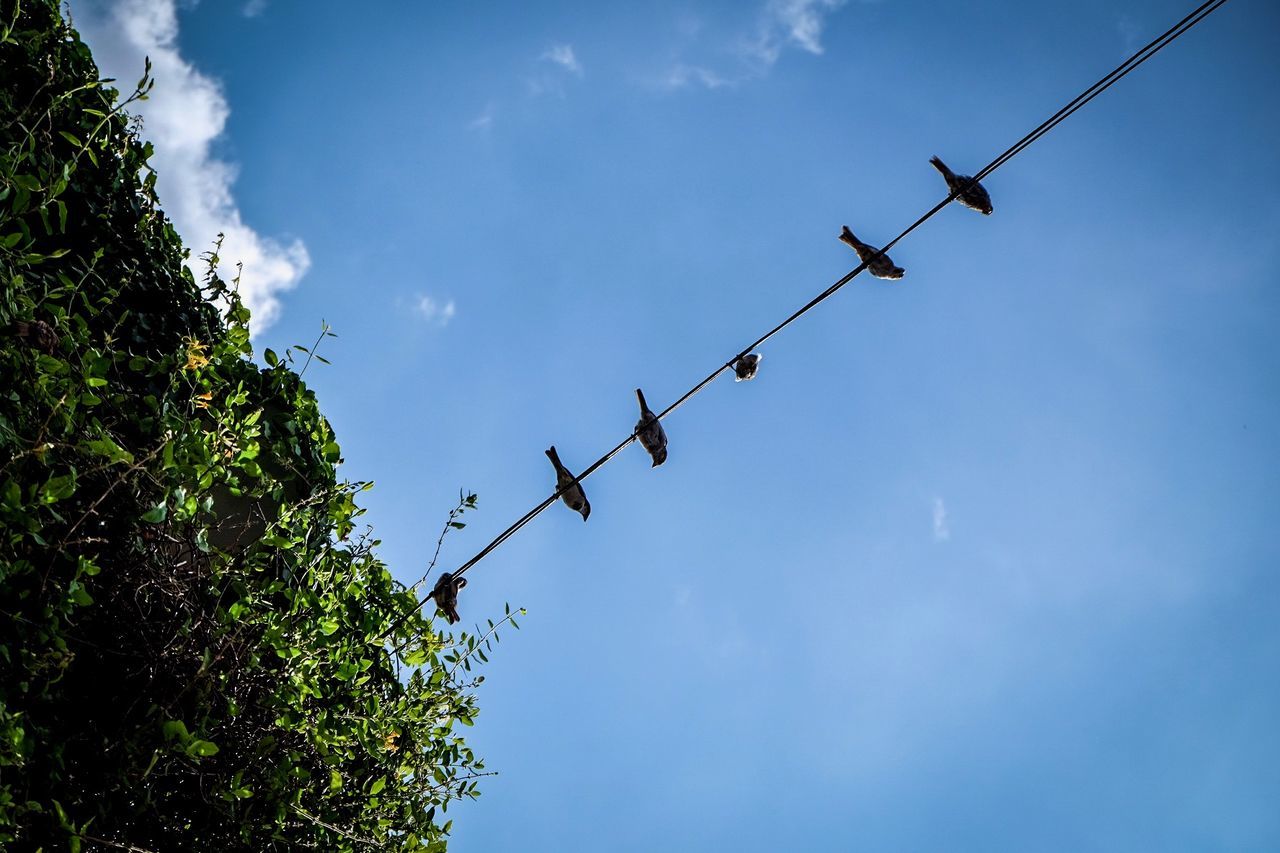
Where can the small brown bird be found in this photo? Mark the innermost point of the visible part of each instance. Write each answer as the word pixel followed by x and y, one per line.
pixel 38 334
pixel 445 592
pixel 745 368
pixel 572 495
pixel 650 432
pixel 968 192
pixel 880 267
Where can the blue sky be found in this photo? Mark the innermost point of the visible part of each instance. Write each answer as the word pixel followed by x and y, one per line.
pixel 985 559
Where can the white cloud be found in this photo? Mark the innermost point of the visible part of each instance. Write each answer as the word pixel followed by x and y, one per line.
pixel 1130 33
pixel 253 8
pixel 186 113
pixel 790 22
pixel 941 529
pixel 551 82
pixel 484 121
pixel 562 55
pixel 780 24
pixel 433 311
pixel 682 75
pixel 802 20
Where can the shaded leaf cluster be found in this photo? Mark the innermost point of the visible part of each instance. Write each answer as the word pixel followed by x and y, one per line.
pixel 199 646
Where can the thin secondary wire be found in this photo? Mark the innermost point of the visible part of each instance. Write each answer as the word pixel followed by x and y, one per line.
pixel 1141 56
pixel 1048 124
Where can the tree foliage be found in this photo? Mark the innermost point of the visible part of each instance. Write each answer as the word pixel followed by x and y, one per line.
pixel 198 647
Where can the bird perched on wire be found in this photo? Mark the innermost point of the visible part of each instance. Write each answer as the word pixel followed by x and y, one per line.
pixel 880 267
pixel 572 495
pixel 445 592
pixel 38 334
pixel 968 192
pixel 650 432
pixel 745 368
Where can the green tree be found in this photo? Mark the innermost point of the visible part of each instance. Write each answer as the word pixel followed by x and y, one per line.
pixel 198 647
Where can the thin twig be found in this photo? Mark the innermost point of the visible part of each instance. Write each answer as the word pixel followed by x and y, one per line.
pixel 117 846
pixel 479 642
pixel 448 525
pixel 324 330
pixel 344 833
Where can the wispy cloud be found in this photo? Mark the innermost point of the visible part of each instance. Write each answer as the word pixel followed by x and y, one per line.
pixel 1130 33
pixel 253 8
pixel 186 113
pixel 484 121
pixel 433 311
pixel 797 22
pixel 552 81
pixel 562 55
pixel 682 75
pixel 941 528
pixel 779 24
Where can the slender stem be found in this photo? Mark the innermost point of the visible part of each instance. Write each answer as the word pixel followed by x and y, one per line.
pixel 324 330
pixel 479 642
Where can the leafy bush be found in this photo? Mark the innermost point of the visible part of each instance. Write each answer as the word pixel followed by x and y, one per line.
pixel 198 649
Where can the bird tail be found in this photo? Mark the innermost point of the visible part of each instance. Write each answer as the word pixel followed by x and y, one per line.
pixel 644 407
pixel 846 236
pixel 553 456
pixel 942 167
pixel 21 328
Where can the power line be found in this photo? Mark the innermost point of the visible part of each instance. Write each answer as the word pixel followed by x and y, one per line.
pixel 1120 71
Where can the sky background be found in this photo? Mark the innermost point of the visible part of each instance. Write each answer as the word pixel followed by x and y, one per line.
pixel 985 559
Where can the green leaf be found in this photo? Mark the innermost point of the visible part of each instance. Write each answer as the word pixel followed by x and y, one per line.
pixel 377 786
pixel 202 748
pixel 77 593
pixel 58 488
pixel 328 627
pixel 175 729
pixel 335 780
pixel 156 514
pixel 108 448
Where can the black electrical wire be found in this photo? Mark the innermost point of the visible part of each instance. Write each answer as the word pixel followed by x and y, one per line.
pixel 1141 56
